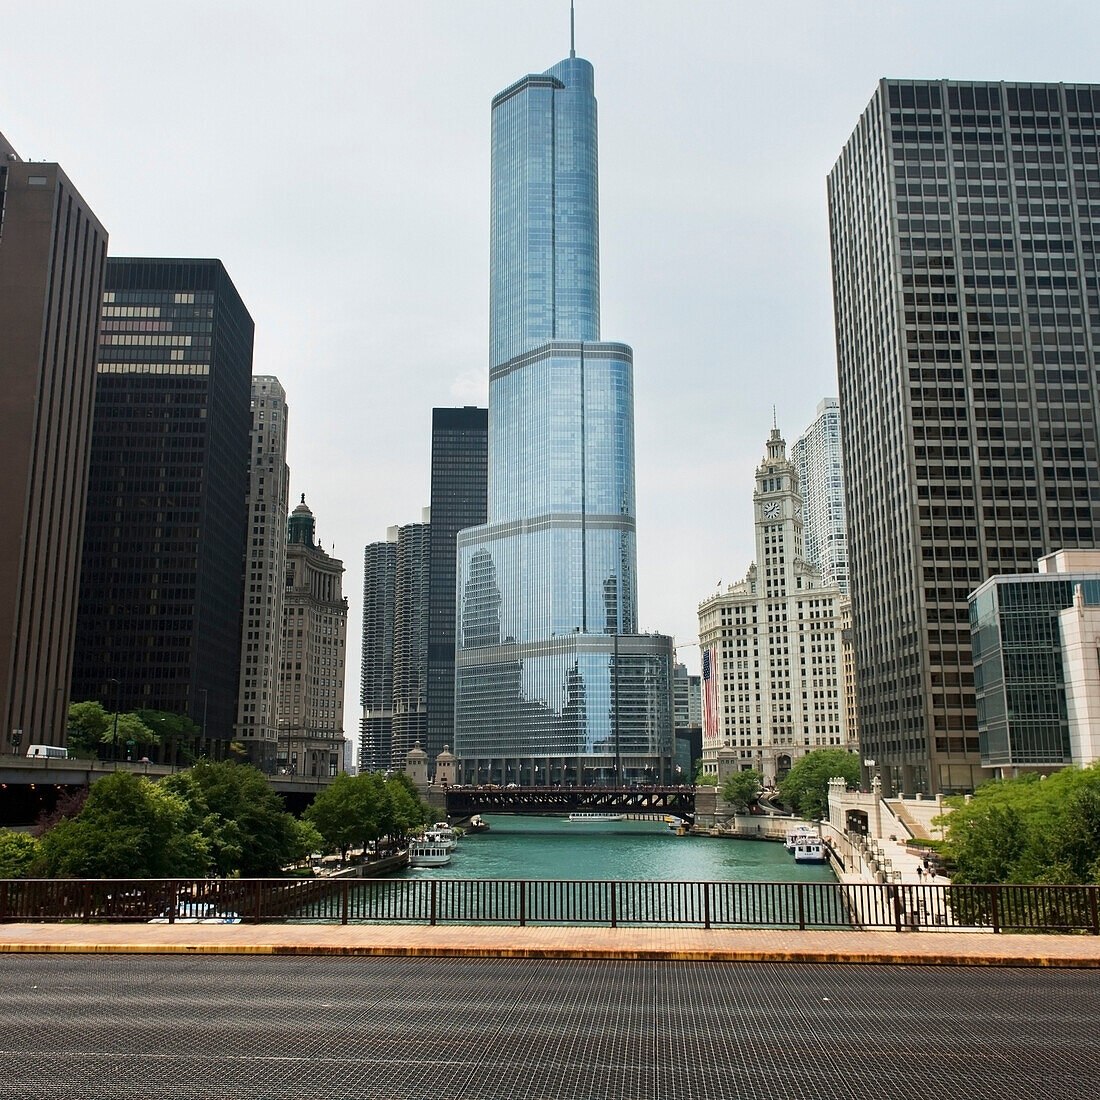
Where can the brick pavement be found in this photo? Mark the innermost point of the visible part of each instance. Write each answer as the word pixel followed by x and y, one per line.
pixel 491 941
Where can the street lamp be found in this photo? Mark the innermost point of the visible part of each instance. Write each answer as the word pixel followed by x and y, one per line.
pixel 114 735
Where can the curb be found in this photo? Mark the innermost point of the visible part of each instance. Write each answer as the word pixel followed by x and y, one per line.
pixel 889 958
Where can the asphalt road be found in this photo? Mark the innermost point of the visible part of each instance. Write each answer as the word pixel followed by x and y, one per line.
pixel 88 1026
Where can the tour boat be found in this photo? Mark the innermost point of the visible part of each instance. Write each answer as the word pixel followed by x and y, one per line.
pixel 426 853
pixel 797 833
pixel 441 838
pixel 674 822
pixel 809 848
pixel 591 817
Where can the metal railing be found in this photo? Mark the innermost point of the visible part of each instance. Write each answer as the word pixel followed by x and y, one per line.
pixel 803 905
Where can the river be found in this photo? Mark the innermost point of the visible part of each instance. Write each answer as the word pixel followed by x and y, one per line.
pixel 555 848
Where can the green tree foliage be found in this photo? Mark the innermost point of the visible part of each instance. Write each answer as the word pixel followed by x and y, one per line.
pixel 1028 830
pixel 246 830
pixel 129 828
pixel 742 789
pixel 17 854
pixel 806 787
pixel 88 723
pixel 173 730
pixel 355 810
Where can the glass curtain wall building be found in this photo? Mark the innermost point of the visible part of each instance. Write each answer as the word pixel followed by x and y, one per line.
pixel 553 681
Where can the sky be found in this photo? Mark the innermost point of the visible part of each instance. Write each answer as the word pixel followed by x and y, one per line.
pixel 335 157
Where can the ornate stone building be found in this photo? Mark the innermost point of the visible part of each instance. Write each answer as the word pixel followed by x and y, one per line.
pixel 311 676
pixel 265 563
pixel 771 644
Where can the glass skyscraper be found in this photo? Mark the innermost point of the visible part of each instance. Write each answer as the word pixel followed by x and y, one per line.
pixel 553 682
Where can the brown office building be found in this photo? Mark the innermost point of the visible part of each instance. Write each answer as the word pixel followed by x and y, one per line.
pixel 52 256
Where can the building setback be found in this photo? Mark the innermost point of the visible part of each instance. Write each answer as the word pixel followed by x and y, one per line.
pixel 967 305
pixel 553 681
pixel 771 645
pixel 311 671
pixel 159 623
pixel 817 454
pixel 268 497
pixel 459 488
pixel 52 258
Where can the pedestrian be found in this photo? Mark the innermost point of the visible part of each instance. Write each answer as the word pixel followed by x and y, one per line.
pixel 920 874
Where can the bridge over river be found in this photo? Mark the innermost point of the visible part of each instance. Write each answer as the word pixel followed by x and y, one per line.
pixel 678 801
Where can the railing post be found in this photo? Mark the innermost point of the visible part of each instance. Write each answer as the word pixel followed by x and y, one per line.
pixel 801 907
pixel 706 904
pixel 435 899
pixel 4 902
pixel 1092 908
pixel 256 906
pixel 343 901
pixel 87 902
pixel 174 889
pixel 995 912
pixel 522 903
pixel 895 900
pixel 613 886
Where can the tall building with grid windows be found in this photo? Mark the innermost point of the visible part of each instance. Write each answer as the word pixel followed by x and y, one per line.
pixel 459 487
pixel 159 620
pixel 53 254
pixel 963 221
pixel 553 681
pixel 376 654
pixel 817 454
pixel 312 659
pixel 265 566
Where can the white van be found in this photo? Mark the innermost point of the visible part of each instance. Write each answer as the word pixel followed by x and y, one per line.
pixel 48 750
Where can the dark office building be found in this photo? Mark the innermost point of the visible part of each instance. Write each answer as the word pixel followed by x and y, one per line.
pixel 964 221
pixel 161 589
pixel 459 488
pixel 376 676
pixel 52 258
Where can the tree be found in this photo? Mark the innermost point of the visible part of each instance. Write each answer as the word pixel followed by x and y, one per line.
pixel 742 789
pixel 129 828
pixel 1028 830
pixel 178 733
pixel 17 854
pixel 88 723
pixel 406 809
pixel 347 812
pixel 806 787
pixel 246 829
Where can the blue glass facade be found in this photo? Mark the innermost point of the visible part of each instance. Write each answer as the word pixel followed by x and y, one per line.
pixel 553 683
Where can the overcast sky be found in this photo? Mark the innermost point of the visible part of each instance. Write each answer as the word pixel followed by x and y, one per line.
pixel 335 157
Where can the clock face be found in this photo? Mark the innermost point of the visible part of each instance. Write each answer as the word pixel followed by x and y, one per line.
pixel 771 509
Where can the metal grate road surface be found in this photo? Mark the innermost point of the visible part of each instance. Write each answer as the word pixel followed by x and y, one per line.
pixel 481 1029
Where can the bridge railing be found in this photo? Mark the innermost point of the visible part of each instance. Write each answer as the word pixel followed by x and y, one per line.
pixel 566 902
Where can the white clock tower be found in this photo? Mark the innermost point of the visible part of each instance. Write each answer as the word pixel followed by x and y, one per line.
pixel 771 644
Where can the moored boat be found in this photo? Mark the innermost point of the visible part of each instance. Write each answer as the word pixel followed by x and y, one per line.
pixel 809 848
pixel 795 834
pixel 426 853
pixel 478 824
pixel 591 817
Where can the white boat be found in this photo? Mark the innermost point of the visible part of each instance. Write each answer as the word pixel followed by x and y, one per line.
pixel 591 817
pixel 809 848
pixel 445 840
pixel 425 853
pixel 674 822
pixel 797 833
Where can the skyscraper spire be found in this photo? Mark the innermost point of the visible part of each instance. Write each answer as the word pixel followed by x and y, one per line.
pixel 572 33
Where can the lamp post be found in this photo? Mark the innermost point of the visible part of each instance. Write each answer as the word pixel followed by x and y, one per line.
pixel 114 734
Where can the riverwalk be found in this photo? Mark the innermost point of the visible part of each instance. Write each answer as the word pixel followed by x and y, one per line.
pixel 557 942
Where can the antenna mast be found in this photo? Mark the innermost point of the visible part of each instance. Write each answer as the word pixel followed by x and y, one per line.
pixel 572 33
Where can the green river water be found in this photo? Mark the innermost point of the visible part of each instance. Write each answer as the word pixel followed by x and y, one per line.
pixel 555 848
